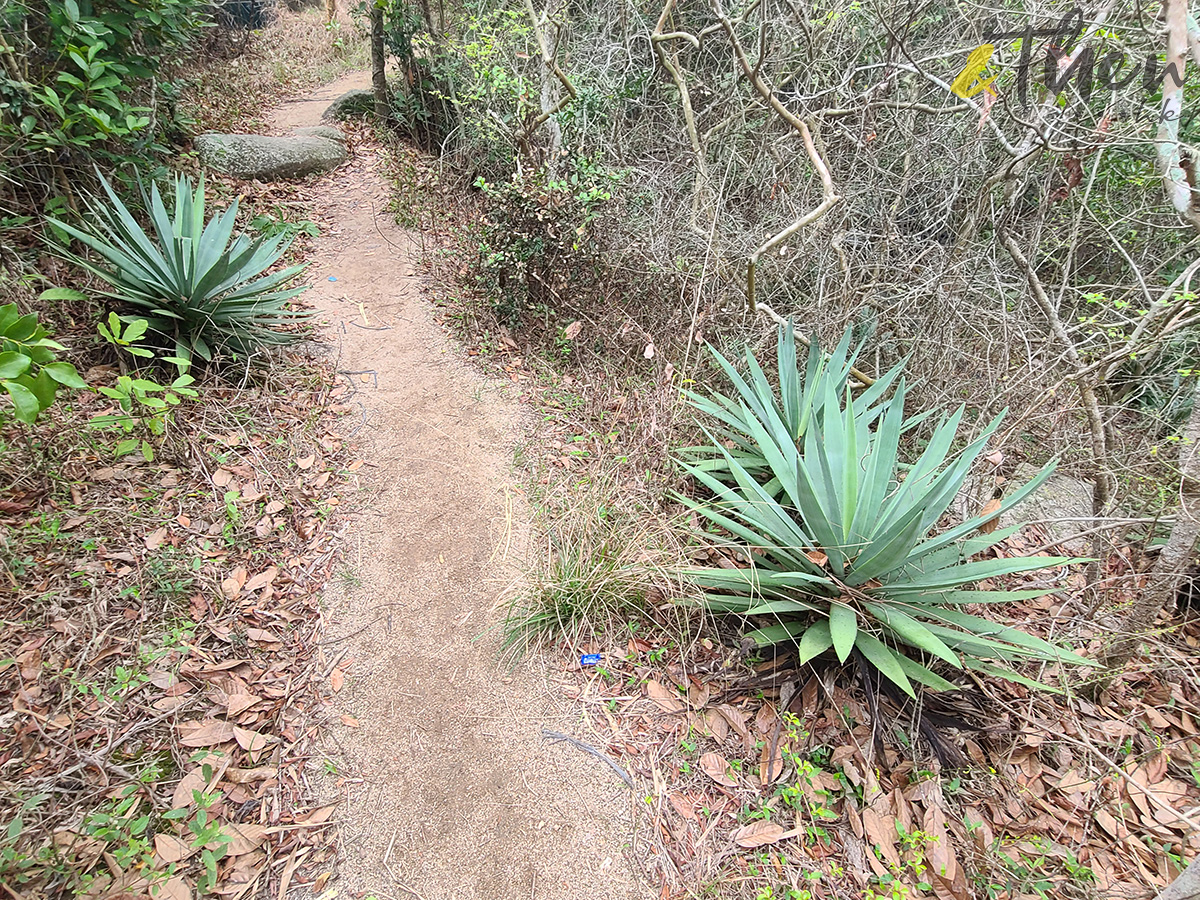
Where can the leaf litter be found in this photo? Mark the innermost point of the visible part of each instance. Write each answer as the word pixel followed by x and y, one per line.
pixel 160 666
pixel 761 774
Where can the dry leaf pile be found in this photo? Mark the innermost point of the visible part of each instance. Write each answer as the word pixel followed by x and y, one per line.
pixel 768 780
pixel 161 679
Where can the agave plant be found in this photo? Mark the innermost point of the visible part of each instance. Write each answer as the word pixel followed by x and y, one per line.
pixel 203 289
pixel 799 401
pixel 840 535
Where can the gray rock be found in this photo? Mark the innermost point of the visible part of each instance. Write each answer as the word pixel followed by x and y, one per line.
pixel 269 158
pixel 1061 497
pixel 358 102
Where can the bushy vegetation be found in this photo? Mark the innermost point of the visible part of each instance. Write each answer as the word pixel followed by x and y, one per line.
pixel 1020 233
pixel 83 84
pixel 729 127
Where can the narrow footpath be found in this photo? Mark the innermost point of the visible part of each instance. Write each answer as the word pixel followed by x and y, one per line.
pixel 447 787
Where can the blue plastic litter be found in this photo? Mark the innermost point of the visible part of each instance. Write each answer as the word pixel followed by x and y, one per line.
pixel 333 278
pixel 590 659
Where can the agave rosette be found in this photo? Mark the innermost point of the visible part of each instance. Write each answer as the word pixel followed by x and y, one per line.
pixel 202 288
pixel 840 534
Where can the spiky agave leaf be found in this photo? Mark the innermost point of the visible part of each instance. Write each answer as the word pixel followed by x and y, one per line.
pixel 203 290
pixel 835 491
pixel 788 407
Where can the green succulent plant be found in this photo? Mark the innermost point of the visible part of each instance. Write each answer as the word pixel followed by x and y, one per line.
pixel 840 534
pixel 203 290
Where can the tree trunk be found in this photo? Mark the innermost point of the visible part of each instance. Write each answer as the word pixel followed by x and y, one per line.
pixel 1176 556
pixel 378 64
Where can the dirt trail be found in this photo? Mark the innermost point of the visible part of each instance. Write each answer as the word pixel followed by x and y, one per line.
pixel 448 788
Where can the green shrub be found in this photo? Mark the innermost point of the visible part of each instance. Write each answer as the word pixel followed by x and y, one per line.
pixel 28 370
pixel 147 408
pixel 839 532
pixel 538 245
pixel 205 291
pixel 79 85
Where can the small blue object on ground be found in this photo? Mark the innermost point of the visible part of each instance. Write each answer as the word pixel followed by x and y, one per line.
pixel 590 659
pixel 333 278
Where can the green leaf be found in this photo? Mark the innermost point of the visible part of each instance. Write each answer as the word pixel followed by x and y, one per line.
pixel 25 403
pixel 816 640
pixel 920 674
pixel 13 364
pixel 62 294
pixel 843 629
pixel 64 373
pixel 43 387
pixel 886 660
pixel 22 329
pixel 775 634
pixel 913 632
pixel 135 329
pixel 8 314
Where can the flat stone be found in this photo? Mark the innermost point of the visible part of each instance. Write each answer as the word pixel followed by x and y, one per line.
pixel 269 158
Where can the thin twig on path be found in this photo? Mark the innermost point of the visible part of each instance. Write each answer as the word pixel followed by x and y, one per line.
pixel 588 748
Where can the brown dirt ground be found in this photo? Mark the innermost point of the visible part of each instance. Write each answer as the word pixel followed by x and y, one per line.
pixel 448 788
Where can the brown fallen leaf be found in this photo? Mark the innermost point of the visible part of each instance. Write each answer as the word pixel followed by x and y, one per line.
pixel 155 539
pixel 192 781
pixel 246 836
pixel 232 586
pixel 174 889
pixel 989 508
pixel 717 725
pixel 222 477
pixel 759 834
pixel 881 830
pixel 170 849
pixel 253 742
pixel 248 776
pixel 262 636
pixel 317 816
pixel 683 806
pixel 940 852
pixel 205 732
pixel 664 697
pixel 307 462
pixel 737 721
pixel 717 767
pixel 349 721
pixel 337 678
pixel 236 704
pixel 572 331
pixel 262 579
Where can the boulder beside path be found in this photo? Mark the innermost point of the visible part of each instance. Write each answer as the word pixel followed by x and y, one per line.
pixel 269 158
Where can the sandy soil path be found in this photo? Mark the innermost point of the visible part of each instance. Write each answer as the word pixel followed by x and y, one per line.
pixel 448 788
